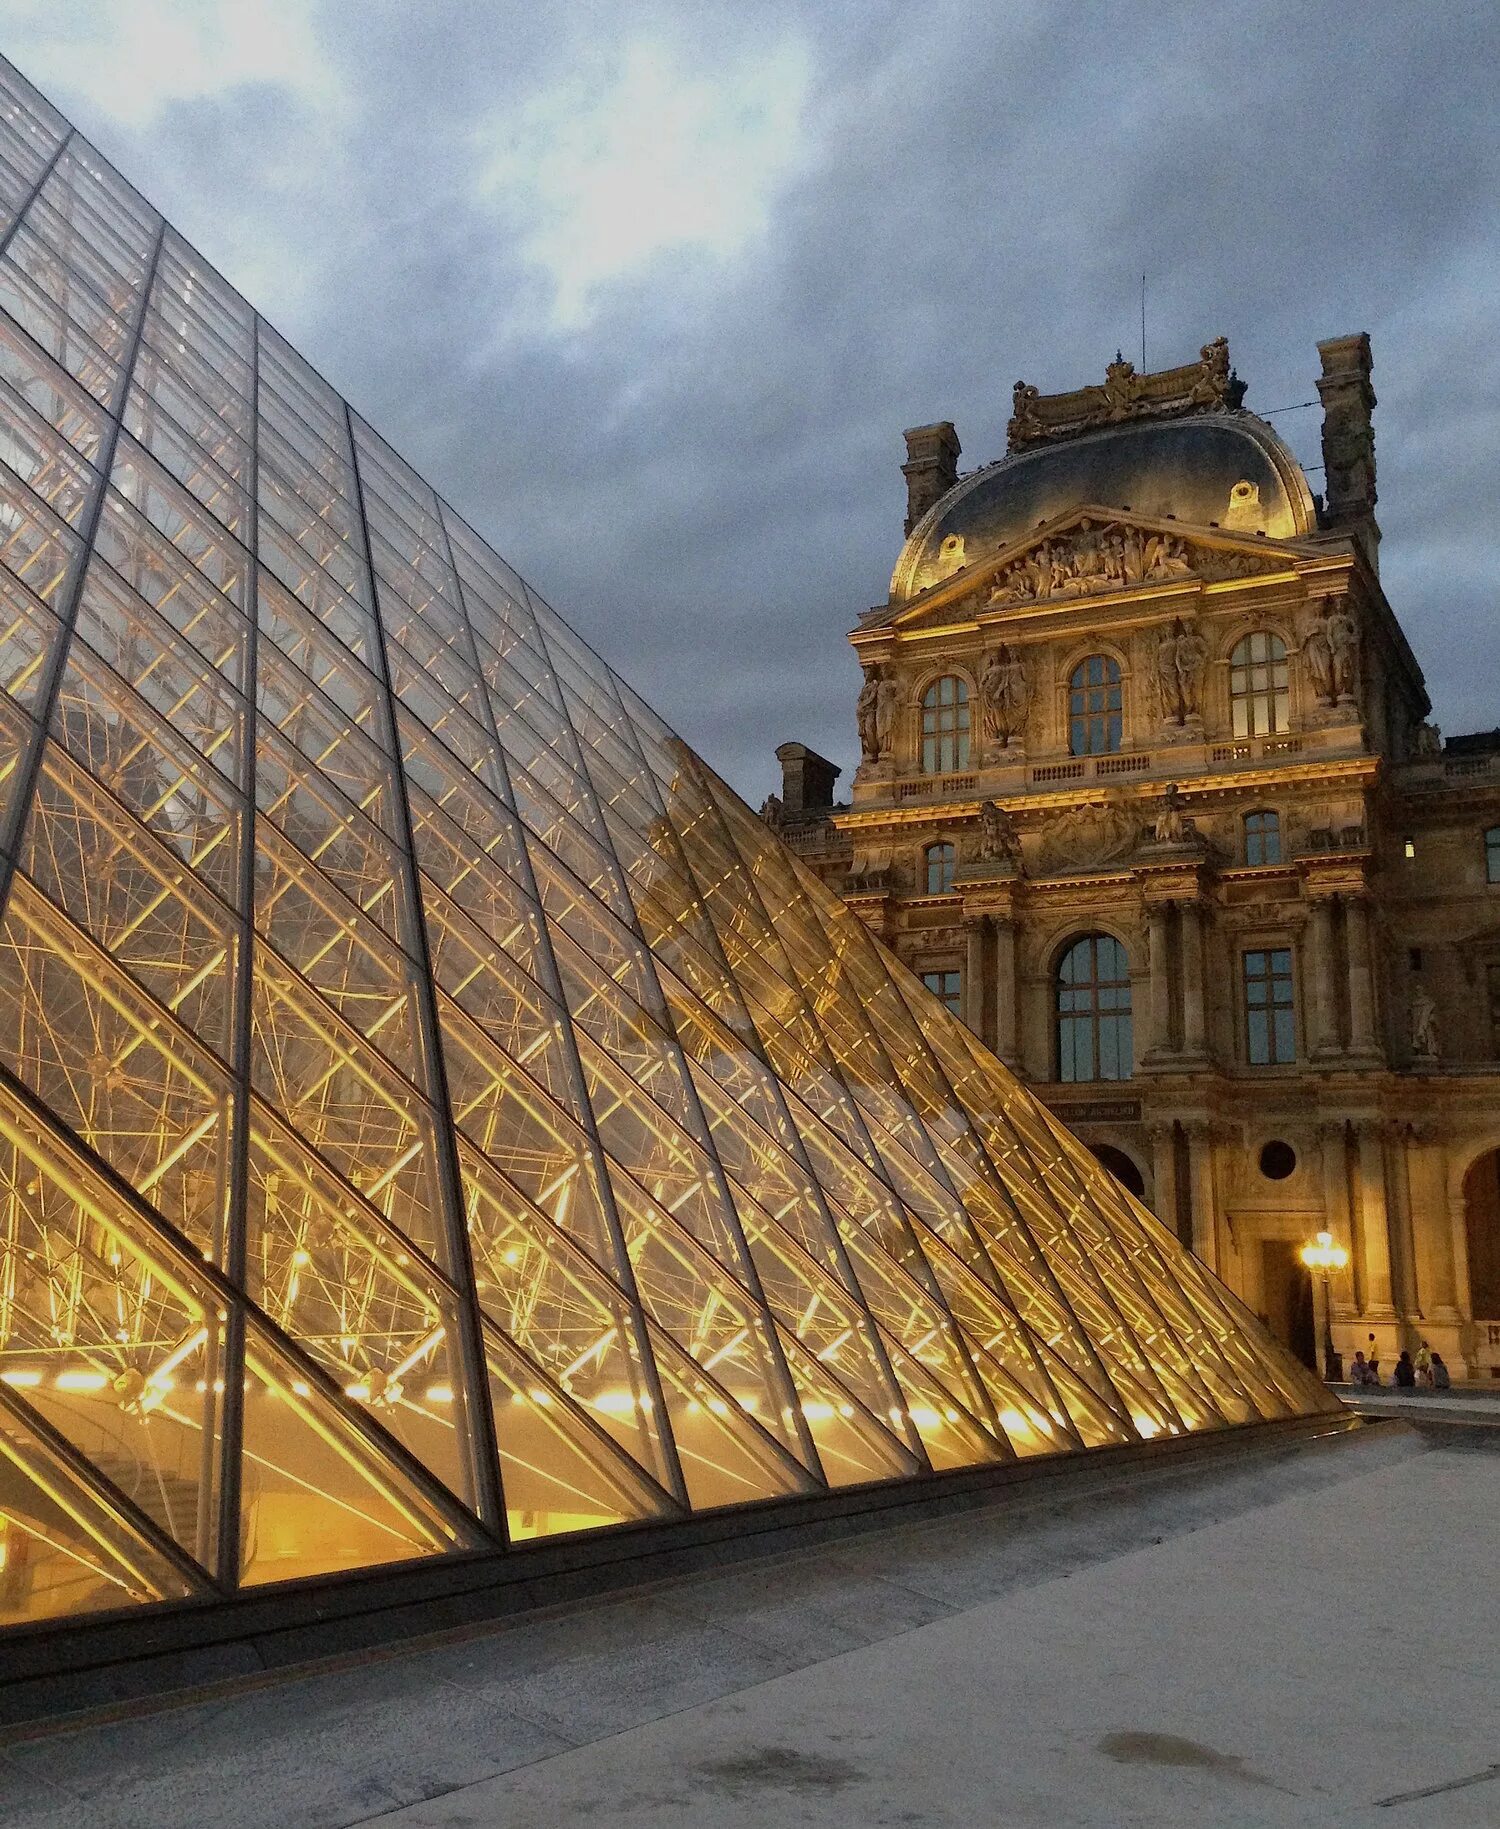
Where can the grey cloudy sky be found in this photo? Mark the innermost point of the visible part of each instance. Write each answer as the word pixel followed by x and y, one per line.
pixel 650 290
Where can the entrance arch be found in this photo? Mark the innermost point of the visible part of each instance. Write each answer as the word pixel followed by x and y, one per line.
pixel 1482 1227
pixel 1121 1167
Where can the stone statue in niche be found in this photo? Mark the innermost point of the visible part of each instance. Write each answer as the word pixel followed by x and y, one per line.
pixel 866 715
pixel 1317 657
pixel 1003 695
pixel 773 812
pixel 1343 644
pixel 998 838
pixel 1427 742
pixel 1424 1034
pixel 887 704
pixel 1180 655
pixel 1173 825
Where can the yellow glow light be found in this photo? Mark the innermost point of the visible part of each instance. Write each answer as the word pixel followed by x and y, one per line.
pixel 1323 1254
pixel 21 1379
pixel 80 1381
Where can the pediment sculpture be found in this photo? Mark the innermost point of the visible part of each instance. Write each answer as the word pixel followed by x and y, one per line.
pixel 1114 556
pixel 1087 837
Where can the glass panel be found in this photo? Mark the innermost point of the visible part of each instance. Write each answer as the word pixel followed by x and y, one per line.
pixel 316 1494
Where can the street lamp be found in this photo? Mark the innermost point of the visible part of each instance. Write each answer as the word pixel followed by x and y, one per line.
pixel 1325 1256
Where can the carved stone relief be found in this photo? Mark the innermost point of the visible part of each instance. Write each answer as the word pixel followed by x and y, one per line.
pixel 1113 556
pixel 1086 837
pixel 1004 694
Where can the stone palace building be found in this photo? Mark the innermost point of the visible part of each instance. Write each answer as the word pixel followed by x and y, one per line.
pixel 1150 796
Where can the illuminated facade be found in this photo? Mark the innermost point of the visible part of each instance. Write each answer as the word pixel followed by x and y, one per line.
pixel 434 1112
pixel 1149 795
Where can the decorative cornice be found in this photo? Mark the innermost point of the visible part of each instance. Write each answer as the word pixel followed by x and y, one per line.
pixel 1208 385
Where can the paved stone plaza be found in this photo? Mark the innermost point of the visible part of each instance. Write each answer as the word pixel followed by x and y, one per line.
pixel 1162 1654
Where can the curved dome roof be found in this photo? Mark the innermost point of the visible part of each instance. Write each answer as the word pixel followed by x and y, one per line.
pixel 1184 467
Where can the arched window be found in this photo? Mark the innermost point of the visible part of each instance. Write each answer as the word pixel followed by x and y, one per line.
pixel 1258 695
pixel 1094 703
pixel 1263 837
pixel 945 726
pixel 937 862
pixel 1093 1011
pixel 1492 855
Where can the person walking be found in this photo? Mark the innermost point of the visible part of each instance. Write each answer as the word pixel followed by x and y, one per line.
pixel 1406 1372
pixel 1423 1364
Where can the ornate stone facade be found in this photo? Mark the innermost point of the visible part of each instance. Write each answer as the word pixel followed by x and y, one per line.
pixel 1198 733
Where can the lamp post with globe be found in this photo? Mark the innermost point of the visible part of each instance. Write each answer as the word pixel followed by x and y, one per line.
pixel 1323 1257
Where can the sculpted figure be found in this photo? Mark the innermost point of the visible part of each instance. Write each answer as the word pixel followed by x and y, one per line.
pixel 1317 653
pixel 1343 644
pixel 1424 1035
pixel 1173 826
pixel 1003 695
pixel 1212 384
pixel 1119 386
pixel 997 833
pixel 887 701
pixel 1024 423
pixel 1427 741
pixel 865 712
pixel 1168 689
pixel 1192 652
pixel 773 812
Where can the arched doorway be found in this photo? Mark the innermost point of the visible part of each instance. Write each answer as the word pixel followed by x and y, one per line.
pixel 1121 1167
pixel 1482 1223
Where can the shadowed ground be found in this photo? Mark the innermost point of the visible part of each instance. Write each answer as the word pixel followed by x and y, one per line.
pixel 1293 1637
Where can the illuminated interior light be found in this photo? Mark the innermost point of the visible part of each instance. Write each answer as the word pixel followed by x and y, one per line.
pixel 301 1387
pixel 1146 1426
pixel 80 1381
pixel 925 1417
pixel 440 1393
pixel 360 1391
pixel 21 1378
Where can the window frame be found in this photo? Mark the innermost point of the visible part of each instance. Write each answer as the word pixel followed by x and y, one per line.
pixel 1089 1013
pixel 940 857
pixel 951 1000
pixel 1088 719
pixel 1255 838
pixel 1492 855
pixel 945 725
pixel 1279 1041
pixel 1260 706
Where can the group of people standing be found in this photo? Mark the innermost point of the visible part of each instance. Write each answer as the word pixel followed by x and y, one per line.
pixel 1423 1370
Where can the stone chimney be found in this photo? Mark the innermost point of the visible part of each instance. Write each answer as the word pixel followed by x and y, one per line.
pixel 931 467
pixel 806 779
pixel 1349 441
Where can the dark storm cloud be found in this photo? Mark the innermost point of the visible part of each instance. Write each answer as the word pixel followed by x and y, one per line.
pixel 703 475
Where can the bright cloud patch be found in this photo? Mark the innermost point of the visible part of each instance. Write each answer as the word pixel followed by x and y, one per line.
pixel 132 60
pixel 608 174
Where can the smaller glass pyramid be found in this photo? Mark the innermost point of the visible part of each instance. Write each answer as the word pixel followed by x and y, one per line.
pixel 435 1113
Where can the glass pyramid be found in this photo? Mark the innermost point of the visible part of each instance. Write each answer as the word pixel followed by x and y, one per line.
pixel 434 1111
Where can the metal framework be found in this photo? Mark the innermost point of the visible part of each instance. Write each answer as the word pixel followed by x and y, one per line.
pixel 434 1111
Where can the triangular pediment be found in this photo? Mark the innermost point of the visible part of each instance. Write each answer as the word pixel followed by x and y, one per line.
pixel 1092 551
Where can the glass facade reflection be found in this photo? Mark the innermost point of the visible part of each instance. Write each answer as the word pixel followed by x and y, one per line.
pixel 435 1113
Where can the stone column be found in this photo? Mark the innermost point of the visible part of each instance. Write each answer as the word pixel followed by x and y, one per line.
pixel 1194 1029
pixel 1432 1226
pixel 1006 1014
pixel 1348 1289
pixel 1201 1178
pixel 1164 1174
pixel 1361 976
pixel 974 974
pixel 1160 1038
pixel 1374 1221
pixel 1325 1028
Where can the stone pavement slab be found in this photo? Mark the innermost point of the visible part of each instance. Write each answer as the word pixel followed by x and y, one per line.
pixel 431 1723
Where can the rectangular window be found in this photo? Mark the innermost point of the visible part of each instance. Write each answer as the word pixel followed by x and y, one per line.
pixel 1492 855
pixel 1270 1034
pixel 947 987
pixel 1262 838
